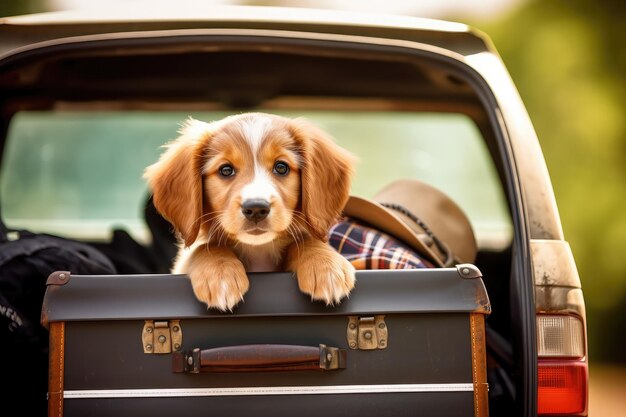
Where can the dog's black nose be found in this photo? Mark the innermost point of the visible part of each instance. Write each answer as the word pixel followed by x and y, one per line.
pixel 255 209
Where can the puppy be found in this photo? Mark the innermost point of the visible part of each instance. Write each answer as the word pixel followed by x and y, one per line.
pixel 254 192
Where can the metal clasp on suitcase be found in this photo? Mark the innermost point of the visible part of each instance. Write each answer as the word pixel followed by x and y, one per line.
pixel 162 336
pixel 367 333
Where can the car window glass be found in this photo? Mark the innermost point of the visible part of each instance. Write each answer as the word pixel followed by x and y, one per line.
pixel 79 173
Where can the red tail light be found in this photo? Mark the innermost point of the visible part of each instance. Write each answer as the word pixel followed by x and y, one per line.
pixel 562 366
pixel 562 387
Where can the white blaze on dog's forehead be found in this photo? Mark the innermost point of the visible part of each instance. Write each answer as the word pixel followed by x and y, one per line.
pixel 254 130
pixel 261 186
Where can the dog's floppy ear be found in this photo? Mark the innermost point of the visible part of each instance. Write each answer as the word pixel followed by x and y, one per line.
pixel 326 177
pixel 176 180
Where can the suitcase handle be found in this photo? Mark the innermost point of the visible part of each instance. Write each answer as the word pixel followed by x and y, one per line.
pixel 259 358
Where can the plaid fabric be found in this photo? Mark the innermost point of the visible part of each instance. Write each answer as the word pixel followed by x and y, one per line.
pixel 368 248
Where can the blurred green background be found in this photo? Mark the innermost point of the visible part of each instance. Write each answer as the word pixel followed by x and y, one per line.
pixel 568 61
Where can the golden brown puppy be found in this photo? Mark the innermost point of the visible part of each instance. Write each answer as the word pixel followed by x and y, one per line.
pixel 254 192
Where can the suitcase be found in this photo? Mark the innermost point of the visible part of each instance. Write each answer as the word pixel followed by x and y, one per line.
pixel 406 342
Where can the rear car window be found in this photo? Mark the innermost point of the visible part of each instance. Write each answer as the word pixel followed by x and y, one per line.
pixel 79 173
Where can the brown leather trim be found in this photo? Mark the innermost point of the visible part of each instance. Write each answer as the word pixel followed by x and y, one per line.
pixel 479 365
pixel 56 369
pixel 54 280
pixel 58 278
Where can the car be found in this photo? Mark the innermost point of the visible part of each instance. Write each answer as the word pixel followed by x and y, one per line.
pixel 88 98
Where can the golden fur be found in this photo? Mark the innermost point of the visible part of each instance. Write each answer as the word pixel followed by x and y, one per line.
pixel 219 243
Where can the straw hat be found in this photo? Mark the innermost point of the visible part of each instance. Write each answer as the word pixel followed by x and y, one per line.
pixel 422 217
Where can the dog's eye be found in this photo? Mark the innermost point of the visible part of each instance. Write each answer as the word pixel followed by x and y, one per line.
pixel 281 168
pixel 226 170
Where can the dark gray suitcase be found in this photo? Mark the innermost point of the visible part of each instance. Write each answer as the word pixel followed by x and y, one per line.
pixel 405 343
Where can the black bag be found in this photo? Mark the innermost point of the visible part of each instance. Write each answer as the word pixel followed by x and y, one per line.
pixel 26 261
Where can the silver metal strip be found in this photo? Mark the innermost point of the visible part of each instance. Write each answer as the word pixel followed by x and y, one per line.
pixel 244 391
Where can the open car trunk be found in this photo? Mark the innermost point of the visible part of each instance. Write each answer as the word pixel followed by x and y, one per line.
pixel 429 313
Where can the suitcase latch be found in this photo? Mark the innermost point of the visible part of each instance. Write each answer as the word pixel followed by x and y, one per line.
pixel 367 333
pixel 162 336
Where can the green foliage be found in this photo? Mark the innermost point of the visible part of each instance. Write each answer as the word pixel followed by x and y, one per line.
pixel 568 61
pixel 20 7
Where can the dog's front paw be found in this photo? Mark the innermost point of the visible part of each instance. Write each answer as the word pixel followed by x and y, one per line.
pixel 327 278
pixel 221 284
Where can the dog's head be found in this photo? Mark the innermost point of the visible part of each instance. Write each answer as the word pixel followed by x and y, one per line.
pixel 252 178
